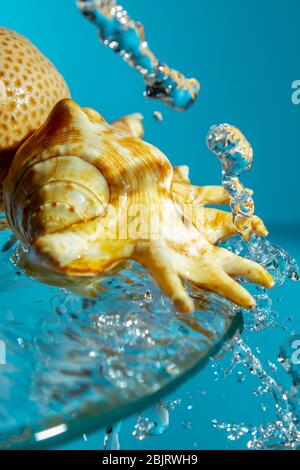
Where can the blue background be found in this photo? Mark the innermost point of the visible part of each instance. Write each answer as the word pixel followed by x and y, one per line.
pixel 246 56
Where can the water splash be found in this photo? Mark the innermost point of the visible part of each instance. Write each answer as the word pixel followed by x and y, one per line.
pixel 280 265
pixel 275 259
pixel 126 37
pixel 236 156
pixel 284 430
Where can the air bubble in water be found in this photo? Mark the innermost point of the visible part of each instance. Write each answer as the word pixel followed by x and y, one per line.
pixel 171 405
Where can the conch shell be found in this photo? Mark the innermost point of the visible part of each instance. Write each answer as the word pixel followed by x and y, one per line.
pixel 84 196
pixel 30 86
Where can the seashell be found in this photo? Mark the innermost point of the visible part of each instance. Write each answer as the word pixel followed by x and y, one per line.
pixel 85 196
pixel 30 86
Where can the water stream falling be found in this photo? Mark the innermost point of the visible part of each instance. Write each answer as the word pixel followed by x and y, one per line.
pixel 236 156
pixel 284 430
pixel 126 37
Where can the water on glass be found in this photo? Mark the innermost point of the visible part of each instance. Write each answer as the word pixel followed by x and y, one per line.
pixel 70 357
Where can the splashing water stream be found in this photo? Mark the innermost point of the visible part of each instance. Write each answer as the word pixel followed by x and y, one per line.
pixel 236 156
pixel 284 431
pixel 126 37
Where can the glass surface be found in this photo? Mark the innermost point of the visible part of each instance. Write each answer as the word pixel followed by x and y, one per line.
pixel 70 362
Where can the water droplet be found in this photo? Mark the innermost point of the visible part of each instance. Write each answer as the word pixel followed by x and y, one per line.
pixel 171 405
pixel 272 366
pixel 282 433
pixel 158 116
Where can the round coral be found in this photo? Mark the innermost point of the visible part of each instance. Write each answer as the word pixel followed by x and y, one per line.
pixel 30 86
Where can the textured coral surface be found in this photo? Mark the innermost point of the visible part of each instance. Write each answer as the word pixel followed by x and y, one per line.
pixel 30 87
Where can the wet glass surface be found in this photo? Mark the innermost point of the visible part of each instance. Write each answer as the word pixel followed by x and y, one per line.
pixel 247 396
pixel 70 362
